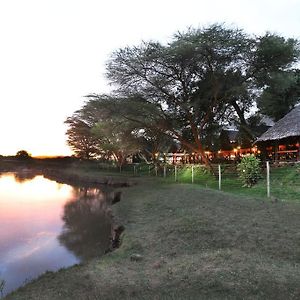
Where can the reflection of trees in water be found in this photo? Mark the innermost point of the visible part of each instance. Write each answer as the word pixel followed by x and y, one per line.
pixel 24 176
pixel 87 227
pixel 89 192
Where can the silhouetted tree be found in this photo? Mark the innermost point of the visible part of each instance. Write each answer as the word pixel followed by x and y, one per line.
pixel 97 128
pixel 23 154
pixel 80 138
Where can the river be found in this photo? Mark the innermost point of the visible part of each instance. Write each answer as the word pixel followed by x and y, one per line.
pixel 45 226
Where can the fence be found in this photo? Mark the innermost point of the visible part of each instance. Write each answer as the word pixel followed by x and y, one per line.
pixel 278 181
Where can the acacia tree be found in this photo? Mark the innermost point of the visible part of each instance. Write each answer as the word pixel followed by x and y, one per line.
pixel 96 129
pixel 198 79
pixel 117 138
pixel 125 126
pixel 154 142
pixel 190 80
pixel 80 138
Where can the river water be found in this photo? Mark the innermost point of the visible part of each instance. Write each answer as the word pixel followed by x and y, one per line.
pixel 45 226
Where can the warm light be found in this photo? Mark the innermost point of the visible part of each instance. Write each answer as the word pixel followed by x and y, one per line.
pixel 235 150
pixel 219 151
pixel 239 147
pixel 206 152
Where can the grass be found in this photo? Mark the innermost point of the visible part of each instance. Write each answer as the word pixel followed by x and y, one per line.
pixel 284 181
pixel 194 243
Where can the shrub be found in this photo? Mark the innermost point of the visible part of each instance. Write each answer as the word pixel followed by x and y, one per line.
pixel 249 170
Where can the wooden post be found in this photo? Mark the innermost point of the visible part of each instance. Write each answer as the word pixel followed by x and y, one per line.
pixel 276 156
pixel 175 173
pixel 165 171
pixel 134 169
pixel 192 173
pixel 220 178
pixel 149 170
pixel 268 179
pixel 156 171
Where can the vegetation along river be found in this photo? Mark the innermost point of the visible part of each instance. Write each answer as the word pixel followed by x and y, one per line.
pixel 45 226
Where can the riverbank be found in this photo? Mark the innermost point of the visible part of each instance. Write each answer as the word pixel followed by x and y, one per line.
pixel 68 172
pixel 187 242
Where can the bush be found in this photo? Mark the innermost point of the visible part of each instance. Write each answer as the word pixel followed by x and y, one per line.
pixel 249 170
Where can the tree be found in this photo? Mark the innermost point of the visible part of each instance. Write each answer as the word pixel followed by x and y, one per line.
pixel 117 138
pixel 276 77
pixel 274 54
pixel 97 129
pixel 80 138
pixel 23 154
pixel 126 127
pixel 152 143
pixel 189 81
pixel 203 77
pixel 281 94
pixel 186 89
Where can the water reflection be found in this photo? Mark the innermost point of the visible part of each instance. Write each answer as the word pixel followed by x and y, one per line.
pixel 24 176
pixel 87 223
pixel 46 226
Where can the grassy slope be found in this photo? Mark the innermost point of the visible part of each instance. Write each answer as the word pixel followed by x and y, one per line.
pixel 195 243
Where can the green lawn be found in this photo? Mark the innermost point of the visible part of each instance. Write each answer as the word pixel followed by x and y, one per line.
pixel 195 243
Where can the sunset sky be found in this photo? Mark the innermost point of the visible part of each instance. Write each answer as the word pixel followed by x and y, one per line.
pixel 53 52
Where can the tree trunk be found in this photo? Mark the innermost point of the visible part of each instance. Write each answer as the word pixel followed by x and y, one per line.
pixel 243 121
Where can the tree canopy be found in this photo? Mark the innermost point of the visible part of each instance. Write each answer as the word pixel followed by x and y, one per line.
pixel 188 89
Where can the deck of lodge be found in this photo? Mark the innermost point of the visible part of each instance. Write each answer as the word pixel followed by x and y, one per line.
pixel 282 141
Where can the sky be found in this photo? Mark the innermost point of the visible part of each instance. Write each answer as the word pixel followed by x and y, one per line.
pixel 53 53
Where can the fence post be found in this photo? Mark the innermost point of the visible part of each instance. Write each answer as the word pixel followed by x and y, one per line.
pixel 149 170
pixel 156 171
pixel 134 169
pixel 175 173
pixel 268 179
pixel 192 173
pixel 165 171
pixel 220 178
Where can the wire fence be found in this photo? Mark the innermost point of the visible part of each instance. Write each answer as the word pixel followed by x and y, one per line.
pixel 278 181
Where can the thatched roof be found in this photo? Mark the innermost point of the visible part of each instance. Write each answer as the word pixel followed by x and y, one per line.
pixel 286 127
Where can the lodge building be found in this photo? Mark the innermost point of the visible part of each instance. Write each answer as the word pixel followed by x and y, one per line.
pixel 281 142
